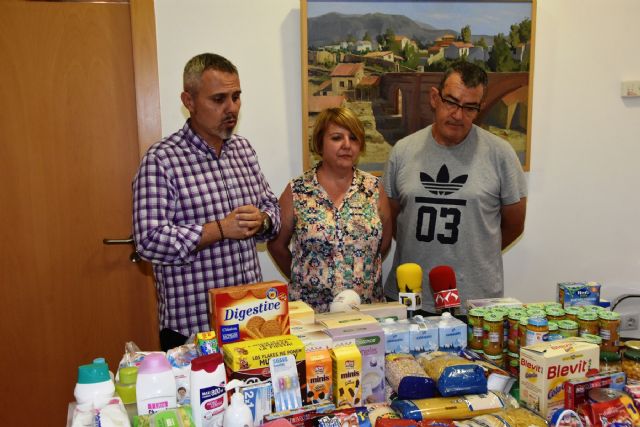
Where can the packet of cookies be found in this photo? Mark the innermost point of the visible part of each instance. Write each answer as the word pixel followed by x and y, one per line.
pixel 247 312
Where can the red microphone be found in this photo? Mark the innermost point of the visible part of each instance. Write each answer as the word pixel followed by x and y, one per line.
pixel 442 280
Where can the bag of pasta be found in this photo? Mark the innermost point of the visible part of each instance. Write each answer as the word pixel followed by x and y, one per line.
pixel 512 417
pixel 453 374
pixel 407 378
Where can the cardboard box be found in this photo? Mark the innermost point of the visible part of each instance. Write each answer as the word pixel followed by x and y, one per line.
pixel 248 361
pixel 249 311
pixel 340 320
pixel 545 367
pixel 578 293
pixel 370 341
pixel 319 377
pixel 575 391
pixel 317 340
pixel 346 366
pixel 301 313
pixel 384 310
pixel 493 302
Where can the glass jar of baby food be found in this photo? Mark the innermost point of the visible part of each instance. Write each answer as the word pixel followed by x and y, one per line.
pixel 631 360
pixel 568 328
pixel 555 314
pixel 475 319
pixel 609 330
pixel 588 323
pixel 571 313
pixel 493 334
pixel 610 362
pixel 537 330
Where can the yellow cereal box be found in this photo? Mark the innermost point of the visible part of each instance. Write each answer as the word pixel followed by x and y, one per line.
pixel 255 354
pixel 319 376
pixel 545 367
pixel 346 363
pixel 247 312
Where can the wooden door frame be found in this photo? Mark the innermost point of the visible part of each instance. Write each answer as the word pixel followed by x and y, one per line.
pixel 145 68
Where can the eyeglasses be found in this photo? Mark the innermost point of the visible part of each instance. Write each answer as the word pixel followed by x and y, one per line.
pixel 452 106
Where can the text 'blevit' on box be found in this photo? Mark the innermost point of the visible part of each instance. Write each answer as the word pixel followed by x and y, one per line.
pixel 545 367
pixel 247 312
pixel 369 339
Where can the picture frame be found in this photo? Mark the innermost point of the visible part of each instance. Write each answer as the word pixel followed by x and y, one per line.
pixel 381 58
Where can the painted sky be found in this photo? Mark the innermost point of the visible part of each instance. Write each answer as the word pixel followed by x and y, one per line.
pixel 486 18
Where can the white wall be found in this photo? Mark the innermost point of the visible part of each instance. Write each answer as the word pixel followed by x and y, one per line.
pixel 584 208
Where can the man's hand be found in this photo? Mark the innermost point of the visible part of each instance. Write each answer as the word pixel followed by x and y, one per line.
pixel 242 223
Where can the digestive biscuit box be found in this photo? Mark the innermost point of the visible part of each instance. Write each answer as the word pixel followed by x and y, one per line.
pixel 545 367
pixel 346 366
pixel 248 312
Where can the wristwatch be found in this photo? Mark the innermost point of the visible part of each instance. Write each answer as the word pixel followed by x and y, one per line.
pixel 266 223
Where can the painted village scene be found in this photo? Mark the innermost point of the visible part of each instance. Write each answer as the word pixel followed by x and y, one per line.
pixel 380 59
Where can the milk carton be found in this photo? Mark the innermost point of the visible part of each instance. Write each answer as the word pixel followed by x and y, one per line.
pixel 544 367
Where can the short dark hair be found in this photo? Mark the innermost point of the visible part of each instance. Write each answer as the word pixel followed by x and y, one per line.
pixel 471 74
pixel 341 116
pixel 199 64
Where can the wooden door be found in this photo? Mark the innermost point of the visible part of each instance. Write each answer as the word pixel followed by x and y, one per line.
pixel 69 148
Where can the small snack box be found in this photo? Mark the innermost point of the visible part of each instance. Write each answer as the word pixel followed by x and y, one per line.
pixel 370 341
pixel 346 364
pixel 384 310
pixel 249 312
pixel 319 376
pixel 301 313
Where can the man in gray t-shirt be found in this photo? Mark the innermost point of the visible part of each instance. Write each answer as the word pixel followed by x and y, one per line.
pixel 457 192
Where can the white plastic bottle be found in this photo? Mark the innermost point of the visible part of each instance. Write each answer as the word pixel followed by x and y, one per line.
pixel 208 393
pixel 238 413
pixel 94 384
pixel 155 385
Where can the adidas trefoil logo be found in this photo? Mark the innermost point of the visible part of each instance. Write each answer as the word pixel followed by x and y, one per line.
pixel 441 186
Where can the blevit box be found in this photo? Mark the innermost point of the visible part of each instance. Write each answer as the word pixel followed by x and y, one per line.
pixel 545 367
pixel 578 293
pixel 384 310
pixel 370 341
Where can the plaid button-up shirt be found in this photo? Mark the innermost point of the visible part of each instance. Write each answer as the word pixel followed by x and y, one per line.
pixel 181 185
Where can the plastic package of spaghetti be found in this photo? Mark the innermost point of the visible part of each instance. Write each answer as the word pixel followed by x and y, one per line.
pixel 454 375
pixel 455 408
pixel 407 378
pixel 413 423
pixel 380 411
pixel 513 417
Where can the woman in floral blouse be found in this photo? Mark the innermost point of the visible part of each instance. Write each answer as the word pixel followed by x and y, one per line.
pixel 336 218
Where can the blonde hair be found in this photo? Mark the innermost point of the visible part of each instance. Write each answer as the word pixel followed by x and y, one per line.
pixel 340 116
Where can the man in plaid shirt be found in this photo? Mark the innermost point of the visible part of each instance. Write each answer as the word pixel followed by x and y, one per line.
pixel 200 202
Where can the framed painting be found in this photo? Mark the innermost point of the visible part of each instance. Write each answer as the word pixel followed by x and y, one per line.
pixel 381 58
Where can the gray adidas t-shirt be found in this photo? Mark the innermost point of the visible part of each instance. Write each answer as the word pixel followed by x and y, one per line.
pixel 450 200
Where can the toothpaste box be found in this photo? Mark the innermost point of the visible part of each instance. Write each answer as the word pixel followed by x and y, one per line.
pixel 370 341
pixel 545 367
pixel 249 312
pixel 578 293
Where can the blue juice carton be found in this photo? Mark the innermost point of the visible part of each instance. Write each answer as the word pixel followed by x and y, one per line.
pixel 578 293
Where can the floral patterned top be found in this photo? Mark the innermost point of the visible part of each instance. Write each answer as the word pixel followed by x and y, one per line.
pixel 335 247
